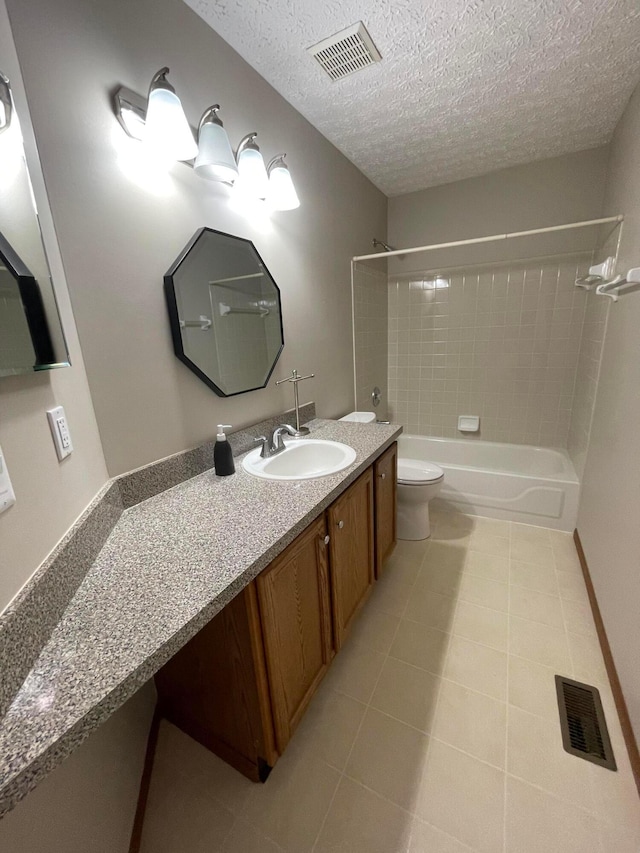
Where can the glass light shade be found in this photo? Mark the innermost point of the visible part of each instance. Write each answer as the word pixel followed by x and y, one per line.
pixel 166 129
pixel 282 193
pixel 215 160
pixel 252 175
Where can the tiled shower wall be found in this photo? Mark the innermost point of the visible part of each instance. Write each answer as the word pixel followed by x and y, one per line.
pixel 370 329
pixel 502 343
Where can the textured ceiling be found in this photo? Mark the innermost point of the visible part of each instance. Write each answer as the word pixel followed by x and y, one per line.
pixel 464 87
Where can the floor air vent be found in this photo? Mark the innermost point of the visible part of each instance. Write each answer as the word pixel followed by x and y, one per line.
pixel 584 730
pixel 345 52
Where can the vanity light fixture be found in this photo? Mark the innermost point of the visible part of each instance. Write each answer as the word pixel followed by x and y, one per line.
pixel 281 194
pixel 252 181
pixel 160 122
pixel 166 129
pixel 215 160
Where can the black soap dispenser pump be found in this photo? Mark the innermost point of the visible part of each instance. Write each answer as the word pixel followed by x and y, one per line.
pixel 222 455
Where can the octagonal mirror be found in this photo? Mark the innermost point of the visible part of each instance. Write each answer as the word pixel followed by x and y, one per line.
pixel 225 314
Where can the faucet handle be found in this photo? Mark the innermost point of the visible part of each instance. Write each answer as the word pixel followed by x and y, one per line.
pixel 266 447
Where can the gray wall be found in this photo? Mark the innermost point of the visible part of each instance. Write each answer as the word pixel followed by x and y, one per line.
pixel 610 502
pixel 118 238
pixel 547 192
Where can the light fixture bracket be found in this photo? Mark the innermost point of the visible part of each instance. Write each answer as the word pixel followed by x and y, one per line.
pixel 5 100
pixel 159 81
pixel 210 116
pixel 247 142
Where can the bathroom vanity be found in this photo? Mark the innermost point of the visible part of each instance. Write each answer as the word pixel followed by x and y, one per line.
pixel 242 684
pixel 224 584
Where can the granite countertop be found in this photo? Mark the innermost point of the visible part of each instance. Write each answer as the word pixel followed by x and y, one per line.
pixel 170 564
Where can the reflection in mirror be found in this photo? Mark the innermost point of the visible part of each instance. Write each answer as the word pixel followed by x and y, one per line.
pixel 31 336
pixel 225 314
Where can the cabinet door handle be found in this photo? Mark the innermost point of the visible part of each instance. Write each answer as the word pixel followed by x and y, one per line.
pixel 383 476
pixel 341 524
pixel 327 539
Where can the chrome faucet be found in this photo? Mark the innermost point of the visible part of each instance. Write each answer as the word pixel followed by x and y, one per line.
pixel 295 379
pixel 275 445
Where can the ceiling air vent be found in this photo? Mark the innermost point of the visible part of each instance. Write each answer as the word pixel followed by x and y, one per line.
pixel 345 52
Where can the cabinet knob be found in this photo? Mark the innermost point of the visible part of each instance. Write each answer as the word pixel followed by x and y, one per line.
pixel 341 524
pixel 383 476
pixel 327 539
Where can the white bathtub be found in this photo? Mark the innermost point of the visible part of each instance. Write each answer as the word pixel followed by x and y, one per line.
pixel 532 485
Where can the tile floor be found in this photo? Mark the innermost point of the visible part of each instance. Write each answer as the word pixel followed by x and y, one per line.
pixel 436 729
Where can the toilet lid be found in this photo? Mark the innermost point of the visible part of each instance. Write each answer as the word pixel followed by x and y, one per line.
pixel 415 471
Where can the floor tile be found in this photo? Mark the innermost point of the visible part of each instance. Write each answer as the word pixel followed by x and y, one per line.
pixel 487 566
pixel 472 722
pixel 291 806
pixel 407 693
pixel 492 527
pixel 487 543
pixel 177 753
pixel 572 586
pixel 245 838
pixel 481 625
pixel 421 646
pixel 537 822
pixel 355 670
pixel 528 533
pixel 360 821
pixel 588 663
pixel 477 667
pixel 428 839
pixel 431 608
pixel 182 815
pixel 463 797
pixel 541 644
pixel 397 569
pixel 532 687
pixel 564 552
pixel 530 576
pixel 442 554
pixel 484 592
pixel 535 754
pixel 389 596
pixel 374 630
pixel 537 606
pixel 329 727
pixel 411 551
pixel 578 618
pixel 441 578
pixel 532 552
pixel 389 757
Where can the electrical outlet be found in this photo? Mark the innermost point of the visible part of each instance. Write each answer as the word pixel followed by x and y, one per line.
pixel 7 495
pixel 60 432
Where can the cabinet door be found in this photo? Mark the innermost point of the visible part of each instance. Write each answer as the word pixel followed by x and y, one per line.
pixel 352 556
pixel 385 471
pixel 293 594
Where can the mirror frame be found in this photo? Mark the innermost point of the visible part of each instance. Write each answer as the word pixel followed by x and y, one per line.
pixel 174 319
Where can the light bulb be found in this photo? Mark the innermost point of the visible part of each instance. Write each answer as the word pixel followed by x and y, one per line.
pixel 166 128
pixel 282 193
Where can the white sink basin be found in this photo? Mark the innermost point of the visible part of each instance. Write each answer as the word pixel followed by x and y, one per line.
pixel 302 459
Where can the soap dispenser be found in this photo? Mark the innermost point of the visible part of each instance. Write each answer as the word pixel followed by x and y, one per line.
pixel 222 455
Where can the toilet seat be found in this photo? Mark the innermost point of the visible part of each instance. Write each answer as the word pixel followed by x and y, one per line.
pixel 416 472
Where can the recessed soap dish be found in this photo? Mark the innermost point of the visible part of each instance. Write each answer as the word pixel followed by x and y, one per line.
pixel 468 423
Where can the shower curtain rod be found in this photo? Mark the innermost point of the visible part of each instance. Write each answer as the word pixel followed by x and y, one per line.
pixel 493 238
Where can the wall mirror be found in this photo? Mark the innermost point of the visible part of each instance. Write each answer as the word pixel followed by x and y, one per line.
pixel 31 336
pixel 225 313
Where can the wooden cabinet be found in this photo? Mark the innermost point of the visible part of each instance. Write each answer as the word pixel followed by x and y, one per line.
pixel 352 553
pixel 215 689
pixel 242 684
pixel 385 473
pixel 293 595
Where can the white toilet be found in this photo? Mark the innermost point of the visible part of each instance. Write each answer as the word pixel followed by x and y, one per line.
pixel 418 483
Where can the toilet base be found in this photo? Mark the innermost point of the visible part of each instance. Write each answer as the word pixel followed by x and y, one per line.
pixel 413 521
